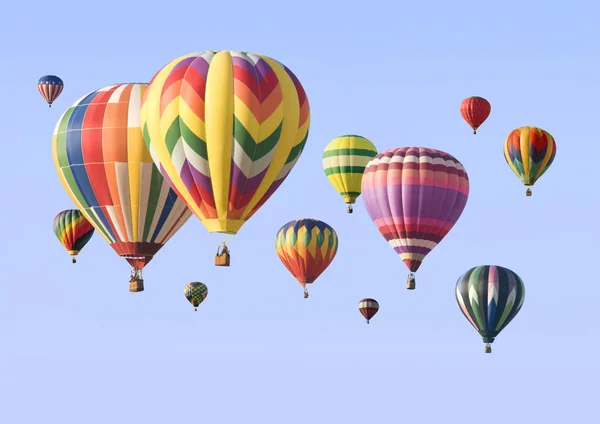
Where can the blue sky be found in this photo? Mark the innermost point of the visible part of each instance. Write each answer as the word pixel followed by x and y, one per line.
pixel 77 347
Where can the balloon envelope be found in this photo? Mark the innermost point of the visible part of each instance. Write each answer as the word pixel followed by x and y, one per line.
pixel 368 308
pixel 195 293
pixel 475 110
pixel 106 169
pixel 529 151
pixel 50 87
pixel 225 128
pixel 414 195
pixel 344 161
pixel 306 247
pixel 490 296
pixel 73 230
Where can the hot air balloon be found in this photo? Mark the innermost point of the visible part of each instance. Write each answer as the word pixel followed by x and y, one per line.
pixel 102 161
pixel 368 308
pixel 529 151
pixel 225 129
pixel 344 161
pixel 475 111
pixel 50 87
pixel 72 230
pixel 490 296
pixel 306 247
pixel 414 195
pixel 195 293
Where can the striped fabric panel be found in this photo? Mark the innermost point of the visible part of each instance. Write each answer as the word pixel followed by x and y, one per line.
pixel 103 162
pixel 414 195
pixel 344 162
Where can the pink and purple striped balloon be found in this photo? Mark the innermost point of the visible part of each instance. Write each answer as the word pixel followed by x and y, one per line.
pixel 414 195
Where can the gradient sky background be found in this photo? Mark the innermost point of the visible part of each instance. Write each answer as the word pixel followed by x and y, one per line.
pixel 77 347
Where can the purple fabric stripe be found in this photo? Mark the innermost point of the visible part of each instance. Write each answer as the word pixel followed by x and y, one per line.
pixel 201 65
pixel 240 182
pixel 244 64
pixel 184 63
pixel 263 69
pixel 201 180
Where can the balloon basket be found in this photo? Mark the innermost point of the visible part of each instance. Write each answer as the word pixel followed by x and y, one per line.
pixel 73 261
pixel 488 348
pixel 367 321
pixel 410 283
pixel 223 259
pixel 136 285
pixel 350 209
pixel 528 192
pixel 305 294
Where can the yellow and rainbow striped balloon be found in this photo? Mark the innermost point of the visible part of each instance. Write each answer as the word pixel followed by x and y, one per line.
pixel 344 161
pixel 225 128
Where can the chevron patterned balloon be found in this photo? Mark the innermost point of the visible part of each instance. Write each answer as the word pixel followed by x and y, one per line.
pixel 306 247
pixel 529 151
pixel 490 296
pixel 225 128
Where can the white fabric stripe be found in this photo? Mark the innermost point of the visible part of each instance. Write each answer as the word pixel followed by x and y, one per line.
pixel 115 221
pixel 168 224
pixel 183 220
pixel 178 155
pixel 345 160
pixel 196 161
pixel 92 210
pixel 135 102
pixel 115 97
pixel 122 177
pixel 171 221
pixel 412 242
pixel 164 191
pixel 248 167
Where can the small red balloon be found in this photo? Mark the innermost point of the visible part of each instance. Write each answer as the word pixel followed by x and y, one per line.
pixel 475 111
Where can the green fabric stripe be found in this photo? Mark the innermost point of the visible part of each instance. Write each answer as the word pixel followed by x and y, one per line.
pixel 350 193
pixel 155 188
pixel 297 150
pixel 173 134
pixel 193 141
pixel 349 152
pixel 255 150
pixel 473 282
pixel 345 170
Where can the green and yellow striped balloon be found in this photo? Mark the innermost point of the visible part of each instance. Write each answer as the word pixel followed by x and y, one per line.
pixel 344 161
pixel 195 293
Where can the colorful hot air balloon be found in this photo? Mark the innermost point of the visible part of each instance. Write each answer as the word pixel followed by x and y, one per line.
pixel 475 111
pixel 50 87
pixel 225 128
pixel 368 308
pixel 490 296
pixel 102 161
pixel 344 161
pixel 306 247
pixel 195 293
pixel 529 151
pixel 72 230
pixel 414 195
